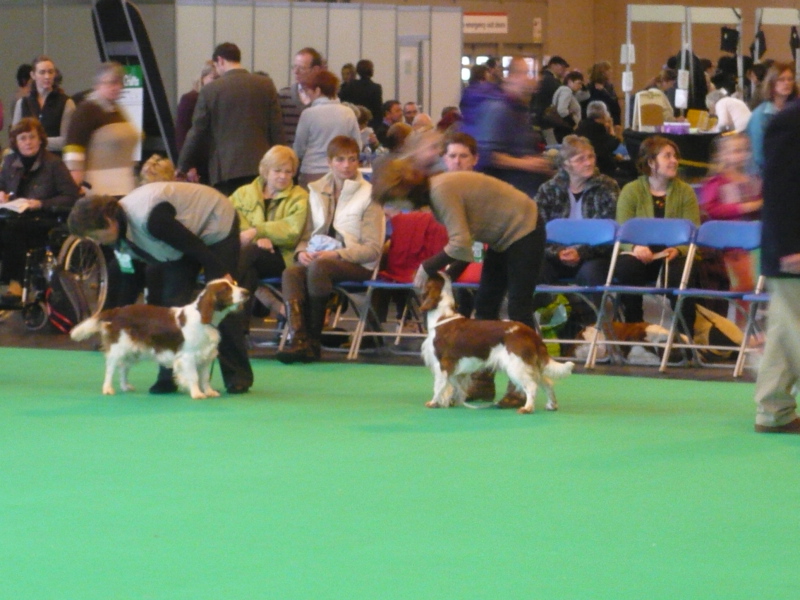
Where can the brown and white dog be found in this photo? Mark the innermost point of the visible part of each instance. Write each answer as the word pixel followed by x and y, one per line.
pixel 456 347
pixel 184 339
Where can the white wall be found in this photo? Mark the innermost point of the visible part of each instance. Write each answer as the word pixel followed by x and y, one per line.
pixel 270 33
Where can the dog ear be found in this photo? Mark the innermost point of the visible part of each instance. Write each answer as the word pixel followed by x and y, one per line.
pixel 432 294
pixel 205 306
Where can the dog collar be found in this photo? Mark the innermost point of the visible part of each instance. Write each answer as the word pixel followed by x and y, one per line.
pixel 448 319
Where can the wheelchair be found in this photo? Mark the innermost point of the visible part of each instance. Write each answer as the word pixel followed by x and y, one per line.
pixel 80 258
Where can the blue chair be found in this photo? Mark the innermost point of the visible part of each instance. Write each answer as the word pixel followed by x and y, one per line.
pixel 757 299
pixel 578 232
pixel 640 231
pixel 716 235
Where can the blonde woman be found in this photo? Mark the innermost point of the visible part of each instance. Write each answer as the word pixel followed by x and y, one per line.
pixel 156 168
pixel 272 215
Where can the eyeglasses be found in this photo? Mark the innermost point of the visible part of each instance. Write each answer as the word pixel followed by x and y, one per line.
pixel 582 159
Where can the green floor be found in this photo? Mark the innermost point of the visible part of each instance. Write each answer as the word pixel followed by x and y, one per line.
pixel 333 481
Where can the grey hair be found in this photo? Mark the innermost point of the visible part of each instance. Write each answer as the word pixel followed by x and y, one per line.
pixel 713 97
pixel 572 145
pixel 596 109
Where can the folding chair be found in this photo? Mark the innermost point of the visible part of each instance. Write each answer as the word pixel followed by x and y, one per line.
pixel 415 237
pixel 641 232
pixel 272 286
pixel 578 232
pixel 717 235
pixel 758 298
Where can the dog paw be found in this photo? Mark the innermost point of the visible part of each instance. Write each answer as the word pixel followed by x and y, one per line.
pixel 432 404
pixel 127 388
pixel 552 406
pixel 525 410
pixel 212 393
pixel 198 395
pixel 108 390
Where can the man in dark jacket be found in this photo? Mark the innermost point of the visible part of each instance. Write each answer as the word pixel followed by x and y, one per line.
pixel 237 119
pixel 549 82
pixel 365 92
pixel 779 371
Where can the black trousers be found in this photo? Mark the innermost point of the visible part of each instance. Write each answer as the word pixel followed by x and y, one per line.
pixel 514 272
pixel 173 283
pixel 631 271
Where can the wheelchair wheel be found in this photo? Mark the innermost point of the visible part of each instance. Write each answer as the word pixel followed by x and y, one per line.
pixel 35 315
pixel 84 259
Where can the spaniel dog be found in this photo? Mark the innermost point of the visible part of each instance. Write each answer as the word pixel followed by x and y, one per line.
pixel 456 347
pixel 184 339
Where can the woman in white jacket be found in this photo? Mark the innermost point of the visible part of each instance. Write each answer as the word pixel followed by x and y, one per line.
pixel 343 241
pixel 567 106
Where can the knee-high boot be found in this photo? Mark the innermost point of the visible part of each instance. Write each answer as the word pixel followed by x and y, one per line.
pixel 317 308
pixel 298 349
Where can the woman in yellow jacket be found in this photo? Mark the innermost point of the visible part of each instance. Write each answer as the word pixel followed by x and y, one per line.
pixel 272 215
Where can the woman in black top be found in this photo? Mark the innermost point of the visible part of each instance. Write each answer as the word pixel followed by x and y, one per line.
pixel 46 102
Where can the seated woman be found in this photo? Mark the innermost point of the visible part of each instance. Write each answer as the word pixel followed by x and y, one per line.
pixel 658 193
pixel 46 102
pixel 36 179
pixel 577 191
pixel 475 207
pixel 322 121
pixel 343 241
pixel 272 215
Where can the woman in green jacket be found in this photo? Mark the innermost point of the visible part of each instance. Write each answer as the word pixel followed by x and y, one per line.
pixel 658 193
pixel 272 214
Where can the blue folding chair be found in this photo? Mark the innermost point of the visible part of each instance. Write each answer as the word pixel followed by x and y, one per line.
pixel 578 232
pixel 641 231
pixel 757 299
pixel 716 235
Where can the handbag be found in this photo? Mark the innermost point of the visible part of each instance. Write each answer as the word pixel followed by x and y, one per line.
pixel 552 120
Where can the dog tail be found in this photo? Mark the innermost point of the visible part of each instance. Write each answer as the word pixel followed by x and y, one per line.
pixel 86 329
pixel 558 370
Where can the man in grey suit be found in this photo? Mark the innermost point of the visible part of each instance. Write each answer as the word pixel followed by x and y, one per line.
pixel 237 119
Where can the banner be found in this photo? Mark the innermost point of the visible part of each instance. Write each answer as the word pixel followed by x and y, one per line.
pixel 132 101
pixel 485 23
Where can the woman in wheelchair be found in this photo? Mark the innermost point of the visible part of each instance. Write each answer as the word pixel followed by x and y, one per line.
pixel 36 191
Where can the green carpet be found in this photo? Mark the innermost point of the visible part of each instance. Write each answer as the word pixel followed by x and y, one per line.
pixel 333 481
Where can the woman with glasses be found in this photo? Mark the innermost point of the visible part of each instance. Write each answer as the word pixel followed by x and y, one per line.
pixel 578 191
pixel 46 102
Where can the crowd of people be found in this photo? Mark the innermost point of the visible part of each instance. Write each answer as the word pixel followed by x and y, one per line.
pixel 282 183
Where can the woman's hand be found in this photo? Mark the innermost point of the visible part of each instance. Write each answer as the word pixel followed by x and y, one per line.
pixel 305 258
pixel 3 197
pixel 329 254
pixel 265 244
pixel 672 253
pixel 752 205
pixel 643 253
pixel 569 256
pixel 247 236
pixel 791 264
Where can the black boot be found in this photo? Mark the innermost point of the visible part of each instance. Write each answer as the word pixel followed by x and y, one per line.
pixel 317 309
pixel 165 383
pixel 298 349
